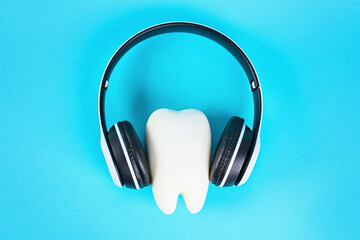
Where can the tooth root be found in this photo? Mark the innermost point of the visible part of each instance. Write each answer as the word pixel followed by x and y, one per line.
pixel 166 198
pixel 195 198
pixel 179 147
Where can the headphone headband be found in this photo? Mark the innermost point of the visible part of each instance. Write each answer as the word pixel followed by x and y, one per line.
pixel 197 29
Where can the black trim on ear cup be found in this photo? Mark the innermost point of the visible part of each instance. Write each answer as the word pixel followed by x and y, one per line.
pixel 231 153
pixel 240 158
pixel 136 154
pixel 120 159
pixel 225 149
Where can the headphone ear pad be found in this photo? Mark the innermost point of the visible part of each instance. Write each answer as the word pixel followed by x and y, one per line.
pixel 134 152
pixel 230 153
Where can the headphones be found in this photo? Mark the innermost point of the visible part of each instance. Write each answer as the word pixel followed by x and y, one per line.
pixel 239 146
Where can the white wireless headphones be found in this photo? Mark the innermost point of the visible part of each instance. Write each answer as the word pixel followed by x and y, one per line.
pixel 239 146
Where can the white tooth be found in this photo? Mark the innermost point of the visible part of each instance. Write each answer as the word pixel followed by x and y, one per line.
pixel 178 145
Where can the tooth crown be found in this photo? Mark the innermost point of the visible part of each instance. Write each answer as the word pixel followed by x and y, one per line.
pixel 179 146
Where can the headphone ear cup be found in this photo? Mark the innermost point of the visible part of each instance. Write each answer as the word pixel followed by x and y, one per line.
pixel 129 155
pixel 230 153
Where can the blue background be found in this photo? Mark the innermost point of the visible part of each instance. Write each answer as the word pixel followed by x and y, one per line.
pixel 54 183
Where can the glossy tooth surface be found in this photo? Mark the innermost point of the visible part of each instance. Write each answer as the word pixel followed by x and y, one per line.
pixel 178 145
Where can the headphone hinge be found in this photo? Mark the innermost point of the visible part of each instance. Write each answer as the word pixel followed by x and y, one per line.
pixel 106 85
pixel 253 85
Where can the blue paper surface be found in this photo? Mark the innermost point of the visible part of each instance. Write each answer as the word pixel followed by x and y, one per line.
pixel 54 182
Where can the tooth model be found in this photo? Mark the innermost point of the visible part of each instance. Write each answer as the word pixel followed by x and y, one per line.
pixel 178 145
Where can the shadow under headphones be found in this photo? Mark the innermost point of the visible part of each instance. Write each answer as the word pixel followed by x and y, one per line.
pixel 239 146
